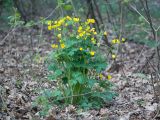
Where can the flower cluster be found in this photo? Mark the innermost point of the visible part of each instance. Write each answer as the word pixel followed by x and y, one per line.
pixel 69 27
pixel 101 76
pixel 117 41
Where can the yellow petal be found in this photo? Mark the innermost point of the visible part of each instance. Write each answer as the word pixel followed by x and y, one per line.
pixel 54 46
pixel 118 41
pixel 114 41
pixel 113 56
pixel 68 18
pixel 76 19
pixel 63 46
pixel 59 35
pixel 92 53
pixel 100 76
pixel 105 33
pixel 80 48
pixel 123 39
pixel 109 77
pixel 49 22
pixel 49 27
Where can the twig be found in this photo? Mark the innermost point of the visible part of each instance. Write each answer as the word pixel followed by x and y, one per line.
pixel 158 110
pixel 134 8
pixel 8 35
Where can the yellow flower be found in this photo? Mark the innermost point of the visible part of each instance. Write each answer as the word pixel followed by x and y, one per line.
pixel 90 21
pixel 68 18
pixel 123 39
pixel 95 33
pixel 49 27
pixel 92 53
pixel 92 39
pixel 109 77
pixel 76 19
pixel 63 46
pixel 114 41
pixel 54 26
pixel 80 48
pixel 118 41
pixel 49 22
pixel 80 29
pixel 105 33
pixel 59 35
pixel 54 46
pixel 60 22
pixel 55 22
pixel 113 56
pixel 81 34
pixel 100 76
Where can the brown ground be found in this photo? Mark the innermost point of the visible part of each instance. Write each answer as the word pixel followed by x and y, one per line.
pixel 23 72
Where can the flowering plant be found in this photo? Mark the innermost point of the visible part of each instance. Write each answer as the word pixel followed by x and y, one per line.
pixel 76 64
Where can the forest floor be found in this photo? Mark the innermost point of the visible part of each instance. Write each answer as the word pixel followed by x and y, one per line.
pixel 23 72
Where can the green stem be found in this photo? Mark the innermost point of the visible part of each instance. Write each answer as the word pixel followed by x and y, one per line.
pixel 70 86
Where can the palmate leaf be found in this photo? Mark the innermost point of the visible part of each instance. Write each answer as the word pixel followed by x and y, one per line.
pixel 71 42
pixel 106 96
pixel 48 93
pixel 72 51
pixel 51 77
pixel 97 66
pixel 86 105
pixel 55 75
pixel 57 93
pixel 101 66
pixel 91 82
pixel 78 76
pixel 52 67
pixel 58 72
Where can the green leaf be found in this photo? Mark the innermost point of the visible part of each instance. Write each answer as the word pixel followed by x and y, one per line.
pixel 48 93
pixel 100 67
pixel 78 76
pixel 52 67
pixel 67 7
pixel 91 82
pixel 73 82
pixel 57 93
pixel 52 77
pixel 71 42
pixel 58 72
